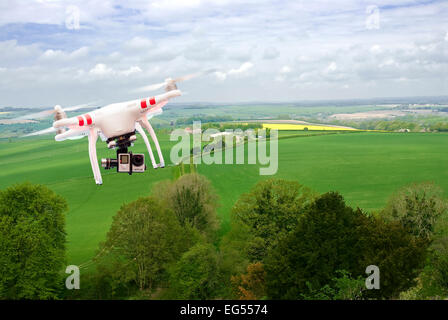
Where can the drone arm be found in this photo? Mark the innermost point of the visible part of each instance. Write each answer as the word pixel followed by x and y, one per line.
pixel 93 136
pixel 153 103
pixel 70 134
pixel 148 145
pixel 144 121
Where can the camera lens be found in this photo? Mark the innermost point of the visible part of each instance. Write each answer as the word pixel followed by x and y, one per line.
pixel 108 163
pixel 105 163
pixel 138 160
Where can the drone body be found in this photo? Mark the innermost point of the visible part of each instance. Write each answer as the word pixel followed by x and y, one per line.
pixel 116 124
pixel 113 120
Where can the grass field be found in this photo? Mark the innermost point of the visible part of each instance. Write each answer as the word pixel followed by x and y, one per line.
pixel 365 167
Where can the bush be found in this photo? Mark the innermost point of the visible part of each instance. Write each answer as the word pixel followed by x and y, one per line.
pixel 144 240
pixel 193 201
pixel 417 207
pixel 32 242
pixel 332 236
pixel 250 286
pixel 269 212
pixel 324 241
pixel 196 274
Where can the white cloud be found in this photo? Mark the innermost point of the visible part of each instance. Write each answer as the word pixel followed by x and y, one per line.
pixel 271 53
pixel 59 55
pixel 175 4
pixel 285 69
pixel 242 69
pixel 138 43
pixel 101 69
pixel 375 49
pixel 312 46
pixel 221 75
pixel 332 67
pixel 131 70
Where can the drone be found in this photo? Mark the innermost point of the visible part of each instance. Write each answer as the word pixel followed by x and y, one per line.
pixel 116 124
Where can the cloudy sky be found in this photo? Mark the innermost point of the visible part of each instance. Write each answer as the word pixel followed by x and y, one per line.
pixel 73 52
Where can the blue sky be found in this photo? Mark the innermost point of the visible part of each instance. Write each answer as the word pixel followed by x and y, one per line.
pixel 264 50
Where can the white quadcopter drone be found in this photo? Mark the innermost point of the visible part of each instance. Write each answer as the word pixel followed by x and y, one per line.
pixel 116 124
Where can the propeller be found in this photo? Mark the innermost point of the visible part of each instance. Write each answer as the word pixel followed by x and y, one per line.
pixel 58 113
pixel 37 133
pixel 170 84
pixel 55 111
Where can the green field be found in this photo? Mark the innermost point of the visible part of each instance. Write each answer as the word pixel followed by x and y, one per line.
pixel 365 167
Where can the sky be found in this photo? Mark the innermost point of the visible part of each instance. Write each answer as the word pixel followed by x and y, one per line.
pixel 74 52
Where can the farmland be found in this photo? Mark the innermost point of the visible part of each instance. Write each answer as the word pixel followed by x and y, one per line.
pixel 311 127
pixel 365 167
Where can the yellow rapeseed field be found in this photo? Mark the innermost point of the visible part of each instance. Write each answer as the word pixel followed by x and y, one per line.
pixel 287 126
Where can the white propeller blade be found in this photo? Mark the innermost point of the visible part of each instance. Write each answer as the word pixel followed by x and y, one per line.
pixel 37 115
pixel 45 131
pixel 80 106
pixel 152 87
pixel 157 86
pixel 47 113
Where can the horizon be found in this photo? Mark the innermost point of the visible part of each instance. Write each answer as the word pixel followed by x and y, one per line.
pixel 442 100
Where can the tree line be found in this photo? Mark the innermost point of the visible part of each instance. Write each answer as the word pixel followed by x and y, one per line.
pixel 286 242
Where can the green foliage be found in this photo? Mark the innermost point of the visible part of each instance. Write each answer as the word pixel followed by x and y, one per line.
pixel 202 118
pixel 144 240
pixel 383 125
pixel 417 207
pixel 346 161
pixel 399 255
pixel 433 280
pixel 232 126
pixel 234 248
pixel 193 201
pixel 324 241
pixel 270 211
pixel 196 274
pixel 343 287
pixel 32 242
pixel 440 126
pixel 331 236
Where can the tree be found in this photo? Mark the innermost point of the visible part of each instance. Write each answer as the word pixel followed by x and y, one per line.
pixel 270 211
pixel 433 280
pixel 196 274
pixel 32 242
pixel 421 209
pixel 417 207
pixel 325 240
pixel 250 286
pixel 144 240
pixel 342 287
pixel 193 201
pixel 399 255
pixel 332 236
